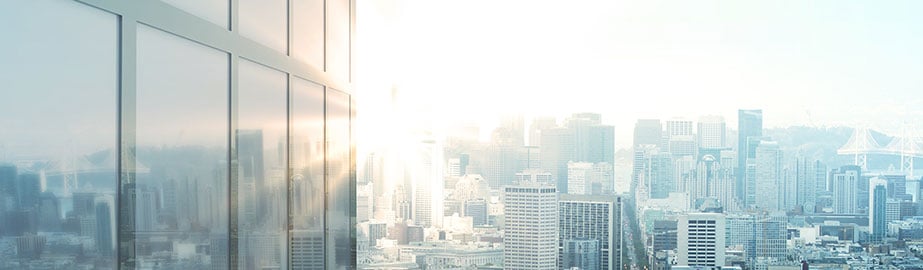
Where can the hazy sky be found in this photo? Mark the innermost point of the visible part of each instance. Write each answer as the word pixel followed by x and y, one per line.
pixel 802 62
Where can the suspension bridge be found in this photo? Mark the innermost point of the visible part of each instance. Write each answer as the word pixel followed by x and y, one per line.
pixel 863 143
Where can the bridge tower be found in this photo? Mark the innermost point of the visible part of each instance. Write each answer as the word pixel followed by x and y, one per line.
pixel 908 150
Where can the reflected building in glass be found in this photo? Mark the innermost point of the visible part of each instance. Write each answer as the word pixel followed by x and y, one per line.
pixel 177 135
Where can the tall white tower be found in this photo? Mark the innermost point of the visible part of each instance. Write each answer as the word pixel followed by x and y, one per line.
pixel 531 226
pixel 707 247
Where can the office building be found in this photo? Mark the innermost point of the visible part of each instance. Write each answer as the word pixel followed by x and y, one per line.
pixel 558 148
pixel 654 169
pixel 811 179
pixel 580 254
pixel 711 132
pixel 678 127
pixel 530 238
pixel 534 175
pixel 647 132
pixel 682 146
pixel 590 178
pixel 844 185
pixel 701 240
pixel 664 235
pixel 592 217
pixel 582 139
pixel 170 124
pixel 711 179
pixel 769 182
pixel 878 199
pixel 477 210
pixel 749 125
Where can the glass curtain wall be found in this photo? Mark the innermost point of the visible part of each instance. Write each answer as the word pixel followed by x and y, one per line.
pixel 213 134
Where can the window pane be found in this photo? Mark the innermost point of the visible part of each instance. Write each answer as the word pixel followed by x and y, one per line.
pixel 261 148
pixel 308 32
pixel 338 182
pixel 180 191
pixel 215 11
pixel 58 135
pixel 307 183
pixel 338 38
pixel 265 21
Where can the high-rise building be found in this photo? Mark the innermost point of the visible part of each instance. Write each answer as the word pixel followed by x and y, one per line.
pixel 664 235
pixel 769 179
pixel 762 236
pixel 749 125
pixel 477 210
pixel 49 212
pixel 897 184
pixel 647 132
pixel 711 179
pixel 427 196
pixel 810 179
pixel 453 167
pixel 711 132
pixel 844 185
pixel 534 175
pixel 558 148
pixel 537 126
pixel 654 169
pixel 578 177
pixel 251 176
pixel 377 231
pixel 682 146
pixel 580 254
pixel 770 236
pixel 364 201
pixel 307 249
pixel 589 178
pixel 105 236
pixel 592 217
pixel 29 187
pixel 583 139
pixel 530 238
pixel 878 199
pixel 501 164
pixel 701 240
pixel 678 127
pixel 8 174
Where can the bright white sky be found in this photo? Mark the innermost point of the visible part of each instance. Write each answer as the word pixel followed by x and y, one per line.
pixel 802 62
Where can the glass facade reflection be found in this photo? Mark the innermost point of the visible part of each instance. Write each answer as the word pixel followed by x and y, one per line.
pixel 167 138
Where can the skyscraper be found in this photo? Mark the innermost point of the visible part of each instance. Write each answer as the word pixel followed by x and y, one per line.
pixel 105 237
pixel 654 169
pixel 647 131
pixel 477 210
pixel 427 196
pixel 878 199
pixel 768 190
pixel 592 217
pixel 558 148
pixel 749 124
pixel 589 178
pixel 701 240
pixel 844 184
pixel 711 132
pixel 580 254
pixel 583 139
pixel 531 227
pixel 810 179
pixel 678 127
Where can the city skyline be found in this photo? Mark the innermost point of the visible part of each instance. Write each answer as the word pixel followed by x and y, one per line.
pixel 461 135
pixel 830 63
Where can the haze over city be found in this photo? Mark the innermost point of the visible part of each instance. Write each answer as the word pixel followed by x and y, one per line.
pixel 825 63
